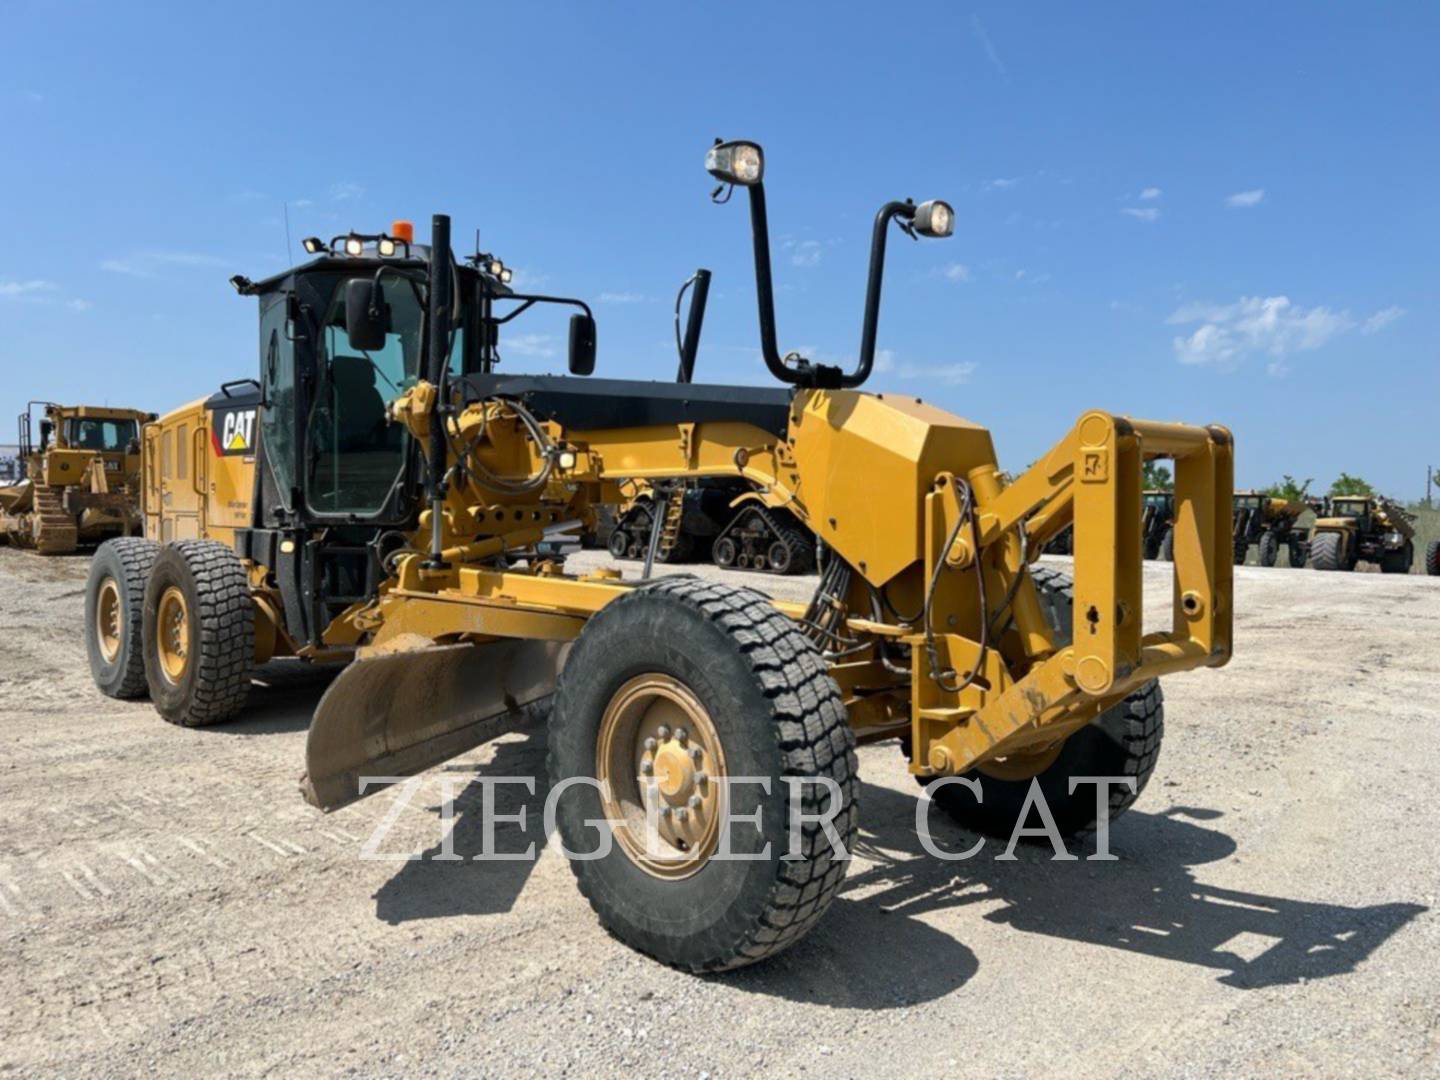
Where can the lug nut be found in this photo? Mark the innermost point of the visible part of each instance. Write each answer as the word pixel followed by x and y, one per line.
pixel 647 767
pixel 664 811
pixel 698 755
pixel 681 735
pixel 701 776
pixel 663 732
pixel 681 814
pixel 650 745
pixel 694 802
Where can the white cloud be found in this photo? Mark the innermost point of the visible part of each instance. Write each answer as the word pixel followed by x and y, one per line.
pixel 1243 200
pixel 1381 319
pixel 985 43
pixel 949 374
pixel 1002 183
pixel 541 345
pixel 523 280
pixel 79 305
pixel 346 190
pixel 303 204
pixel 1270 325
pixel 31 290
pixel 144 264
pixel 1150 193
pixel 1148 214
pixel 956 272
pixel 804 252
pixel 622 298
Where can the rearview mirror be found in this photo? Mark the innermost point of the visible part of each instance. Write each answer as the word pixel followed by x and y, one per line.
pixel 582 344
pixel 366 316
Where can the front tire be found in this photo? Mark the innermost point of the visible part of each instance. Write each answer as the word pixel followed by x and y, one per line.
pixel 1167 545
pixel 1124 741
pixel 199 633
pixel 1398 561
pixel 1432 559
pixel 115 615
pixel 1326 552
pixel 758 702
pixel 1269 549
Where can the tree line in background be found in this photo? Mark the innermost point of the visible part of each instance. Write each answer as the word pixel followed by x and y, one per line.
pixel 1157 477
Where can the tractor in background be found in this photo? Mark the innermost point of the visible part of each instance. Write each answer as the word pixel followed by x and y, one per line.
pixel 1157 524
pixel 1270 522
pixel 1368 527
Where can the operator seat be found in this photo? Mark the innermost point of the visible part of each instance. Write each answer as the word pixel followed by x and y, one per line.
pixel 360 423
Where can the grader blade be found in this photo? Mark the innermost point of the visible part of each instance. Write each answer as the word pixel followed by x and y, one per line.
pixel 399 714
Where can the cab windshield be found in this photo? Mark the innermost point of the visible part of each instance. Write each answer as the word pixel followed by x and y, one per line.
pixel 106 436
pixel 355 455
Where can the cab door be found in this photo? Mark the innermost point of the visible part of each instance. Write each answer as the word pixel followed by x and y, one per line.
pixel 180 499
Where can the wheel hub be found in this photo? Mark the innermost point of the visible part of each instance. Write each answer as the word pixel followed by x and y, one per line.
pixel 173 634
pixel 658 760
pixel 107 620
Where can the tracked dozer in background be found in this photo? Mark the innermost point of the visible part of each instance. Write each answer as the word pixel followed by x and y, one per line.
pixel 388 515
pixel 80 480
pixel 715 519
pixel 1368 527
pixel 1271 523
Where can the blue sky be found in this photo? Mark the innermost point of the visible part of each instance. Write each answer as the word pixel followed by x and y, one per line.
pixel 1214 213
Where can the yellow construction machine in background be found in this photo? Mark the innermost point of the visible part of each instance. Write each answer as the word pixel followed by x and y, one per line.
pixel 390 509
pixel 78 483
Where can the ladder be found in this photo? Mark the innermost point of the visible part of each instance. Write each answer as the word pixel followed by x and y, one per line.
pixel 667 513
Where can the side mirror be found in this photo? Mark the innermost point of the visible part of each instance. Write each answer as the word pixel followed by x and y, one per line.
pixel 365 315
pixel 582 345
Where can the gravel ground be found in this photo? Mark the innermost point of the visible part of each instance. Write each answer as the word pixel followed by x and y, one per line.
pixel 168 903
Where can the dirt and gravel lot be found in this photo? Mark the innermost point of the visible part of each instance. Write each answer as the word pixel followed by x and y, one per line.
pixel 168 903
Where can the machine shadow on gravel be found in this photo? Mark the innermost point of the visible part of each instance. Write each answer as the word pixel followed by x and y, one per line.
pixel 430 889
pixel 283 697
pixel 1148 902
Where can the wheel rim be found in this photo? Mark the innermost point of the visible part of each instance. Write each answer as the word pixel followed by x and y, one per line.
pixel 172 634
pixel 1022 766
pixel 659 762
pixel 725 552
pixel 108 629
pixel 619 544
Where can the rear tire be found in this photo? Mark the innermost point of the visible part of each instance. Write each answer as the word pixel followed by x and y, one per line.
pixel 1325 552
pixel 1167 545
pixel 1432 559
pixel 1299 552
pixel 199 633
pixel 1123 741
pixel 761 692
pixel 115 615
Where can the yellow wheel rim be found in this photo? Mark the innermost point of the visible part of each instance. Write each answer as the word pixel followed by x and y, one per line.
pixel 109 632
pixel 660 765
pixel 172 634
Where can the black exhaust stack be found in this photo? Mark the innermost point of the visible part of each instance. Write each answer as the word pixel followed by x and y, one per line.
pixel 440 286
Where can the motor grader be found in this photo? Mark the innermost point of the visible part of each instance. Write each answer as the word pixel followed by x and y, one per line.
pixel 1369 527
pixel 1270 522
pixel 387 515
pixel 78 483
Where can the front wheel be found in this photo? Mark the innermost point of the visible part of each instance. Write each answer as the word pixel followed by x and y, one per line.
pixel 1432 559
pixel 1269 549
pixel 1327 552
pixel 198 633
pixel 670 693
pixel 1398 561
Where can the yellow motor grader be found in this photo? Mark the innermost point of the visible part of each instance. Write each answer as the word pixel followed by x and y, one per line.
pixel 79 481
pixel 389 508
